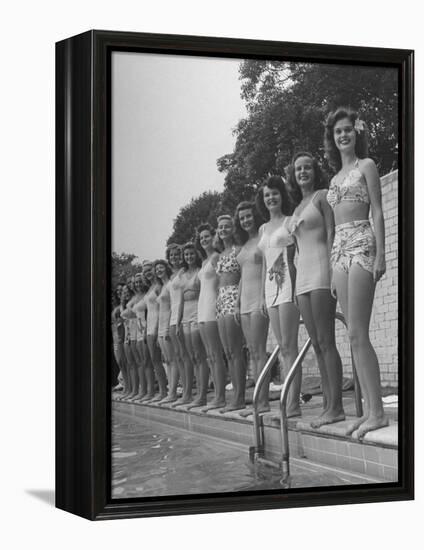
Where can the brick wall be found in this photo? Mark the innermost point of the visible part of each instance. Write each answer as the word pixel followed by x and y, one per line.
pixel 384 319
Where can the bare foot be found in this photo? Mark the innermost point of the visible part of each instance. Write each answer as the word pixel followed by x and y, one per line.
pixel 170 399
pixel 327 418
pixel 214 405
pixel 372 423
pixel 246 413
pixel 182 402
pixel 233 407
pixel 147 397
pixel 158 398
pixel 354 425
pixel 197 403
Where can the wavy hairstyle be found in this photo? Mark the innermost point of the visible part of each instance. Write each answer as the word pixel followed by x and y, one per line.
pixel 274 182
pixel 361 145
pixel 203 227
pixel 169 248
pixel 166 266
pixel 320 180
pixel 218 242
pixel 144 283
pixel 241 234
pixel 191 246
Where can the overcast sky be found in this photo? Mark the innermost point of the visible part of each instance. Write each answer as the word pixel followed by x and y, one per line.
pixel 172 118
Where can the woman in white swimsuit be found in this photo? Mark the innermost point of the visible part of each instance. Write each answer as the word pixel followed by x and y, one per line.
pixel 358 254
pixel 253 321
pixel 163 273
pixel 278 278
pixel 174 255
pixel 312 224
pixel 206 312
pixel 152 325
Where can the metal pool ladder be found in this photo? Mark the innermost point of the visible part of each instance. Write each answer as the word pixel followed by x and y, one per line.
pixel 257 452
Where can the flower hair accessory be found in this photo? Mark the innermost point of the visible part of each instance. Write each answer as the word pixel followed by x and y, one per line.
pixel 359 125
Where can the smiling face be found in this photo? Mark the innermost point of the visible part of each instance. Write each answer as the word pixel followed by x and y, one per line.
pixel 138 283
pixel 160 271
pixel 304 172
pixel 190 256
pixel 175 257
pixel 148 272
pixel 205 239
pixel 344 135
pixel 272 199
pixel 225 228
pixel 246 219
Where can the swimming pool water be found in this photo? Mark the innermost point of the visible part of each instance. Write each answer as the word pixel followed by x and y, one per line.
pixel 151 459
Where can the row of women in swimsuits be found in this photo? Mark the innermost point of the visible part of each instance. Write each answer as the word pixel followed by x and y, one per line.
pixel 226 288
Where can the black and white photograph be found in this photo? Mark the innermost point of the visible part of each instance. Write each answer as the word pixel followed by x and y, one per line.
pixel 253 275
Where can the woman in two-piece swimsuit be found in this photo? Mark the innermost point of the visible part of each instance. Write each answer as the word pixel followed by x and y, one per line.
pixel 358 255
pixel 253 321
pixel 152 323
pixel 118 335
pixel 206 313
pixel 312 225
pixel 174 255
pixel 278 278
pixel 163 272
pixel 188 319
pixel 228 270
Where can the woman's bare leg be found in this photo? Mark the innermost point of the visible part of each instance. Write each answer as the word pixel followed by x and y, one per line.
pixel 341 280
pixel 188 367
pixel 210 336
pixel 202 371
pixel 232 340
pixel 360 298
pixel 155 356
pixel 178 353
pixel 285 325
pixel 255 330
pixel 168 353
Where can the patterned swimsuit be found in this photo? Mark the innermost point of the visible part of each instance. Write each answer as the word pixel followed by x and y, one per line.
pixel 227 295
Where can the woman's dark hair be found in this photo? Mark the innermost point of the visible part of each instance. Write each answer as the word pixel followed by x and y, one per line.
pixel 202 227
pixel 191 246
pixel 171 247
pixel 320 180
pixel 166 266
pixel 241 234
pixel 361 145
pixel 218 242
pixel 274 182
pixel 130 293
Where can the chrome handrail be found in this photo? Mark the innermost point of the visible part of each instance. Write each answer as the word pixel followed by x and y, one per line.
pixel 259 449
pixel 285 448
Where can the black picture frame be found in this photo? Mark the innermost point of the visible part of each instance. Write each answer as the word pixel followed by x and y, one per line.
pixel 82 267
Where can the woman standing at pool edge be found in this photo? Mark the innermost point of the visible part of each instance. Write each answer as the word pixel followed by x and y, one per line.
pixel 253 321
pixel 358 256
pixel 312 225
pixel 278 278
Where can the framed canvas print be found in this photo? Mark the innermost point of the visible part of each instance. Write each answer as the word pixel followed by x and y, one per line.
pixel 234 274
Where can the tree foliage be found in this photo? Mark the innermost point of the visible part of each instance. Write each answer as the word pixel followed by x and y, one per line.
pixel 123 266
pixel 287 104
pixel 204 208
